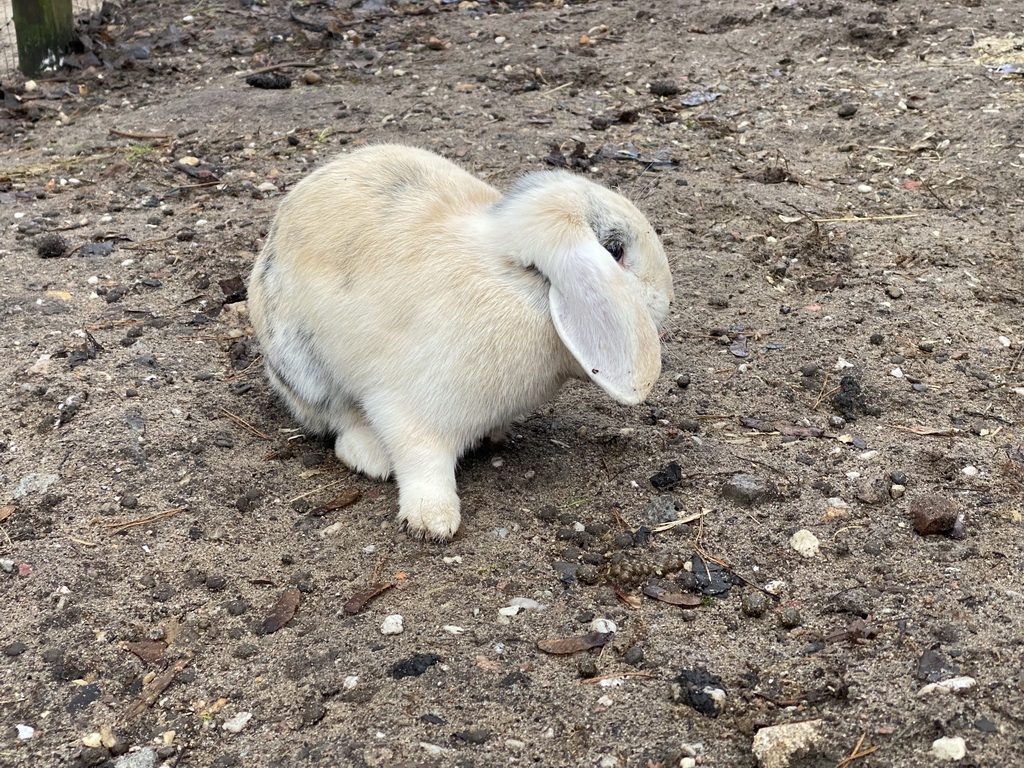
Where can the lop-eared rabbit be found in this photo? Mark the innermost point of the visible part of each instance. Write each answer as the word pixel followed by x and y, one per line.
pixel 410 309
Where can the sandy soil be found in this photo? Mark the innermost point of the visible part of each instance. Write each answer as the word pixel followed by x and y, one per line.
pixel 838 189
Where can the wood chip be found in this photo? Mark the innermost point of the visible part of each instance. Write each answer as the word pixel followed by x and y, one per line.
pixel 282 612
pixel 151 692
pixel 681 599
pixel 359 601
pixel 6 512
pixel 565 645
pixel 150 651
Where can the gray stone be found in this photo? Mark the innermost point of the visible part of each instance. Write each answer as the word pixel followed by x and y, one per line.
pixel 748 490
pixel 661 509
pixel 144 758
pixel 37 482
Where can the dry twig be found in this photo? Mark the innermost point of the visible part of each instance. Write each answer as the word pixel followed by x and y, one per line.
pixel 857 754
pixel 619 674
pixel 244 424
pixel 118 527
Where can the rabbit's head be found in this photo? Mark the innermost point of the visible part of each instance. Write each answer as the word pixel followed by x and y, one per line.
pixel 610 281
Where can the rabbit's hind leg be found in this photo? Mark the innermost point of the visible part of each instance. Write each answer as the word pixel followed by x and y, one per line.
pixel 358 446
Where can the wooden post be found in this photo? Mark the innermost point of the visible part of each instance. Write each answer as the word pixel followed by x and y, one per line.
pixel 44 28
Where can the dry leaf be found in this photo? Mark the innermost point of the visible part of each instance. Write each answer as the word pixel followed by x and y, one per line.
pixel 630 601
pixel 359 601
pixel 282 612
pixel 566 645
pixel 681 599
pixel 6 512
pixel 342 500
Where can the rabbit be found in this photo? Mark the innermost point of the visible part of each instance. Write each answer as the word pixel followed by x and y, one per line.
pixel 411 309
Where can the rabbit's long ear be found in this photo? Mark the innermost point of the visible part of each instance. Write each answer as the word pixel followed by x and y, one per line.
pixel 600 314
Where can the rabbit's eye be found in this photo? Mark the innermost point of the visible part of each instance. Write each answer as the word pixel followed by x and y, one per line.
pixel 615 249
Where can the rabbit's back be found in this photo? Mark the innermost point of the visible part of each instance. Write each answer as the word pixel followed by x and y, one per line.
pixel 378 276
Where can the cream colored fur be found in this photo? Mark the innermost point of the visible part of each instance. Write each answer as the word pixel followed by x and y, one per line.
pixel 406 307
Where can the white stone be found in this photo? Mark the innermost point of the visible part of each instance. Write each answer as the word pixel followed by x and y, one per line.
pixel 896 373
pixel 949 748
pixel 865 188
pixel 804 542
pixel 499 39
pixel 237 722
pixel 25 731
pixel 188 160
pixel 509 610
pixel 451 629
pixel 267 186
pixel 350 682
pixel 776 745
pixel 333 529
pixel 603 626
pixel 952 685
pixel 970 471
pixel 527 604
pixel 392 625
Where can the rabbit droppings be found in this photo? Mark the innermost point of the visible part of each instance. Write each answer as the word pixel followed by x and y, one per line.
pixel 411 309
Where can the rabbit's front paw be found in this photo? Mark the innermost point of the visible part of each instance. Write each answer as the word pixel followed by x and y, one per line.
pixel 427 515
pixel 359 447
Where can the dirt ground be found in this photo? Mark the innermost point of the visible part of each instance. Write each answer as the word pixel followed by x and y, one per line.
pixel 838 187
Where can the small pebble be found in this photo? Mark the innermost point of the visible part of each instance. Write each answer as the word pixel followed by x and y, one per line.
pixel 634 656
pixel 933 514
pixel 778 746
pixel 311 78
pixel 949 748
pixel 586 667
pixel 392 625
pixel 805 543
pixel 216 582
pixel 754 604
pixel 15 649
pixel 603 626
pixel 477 736
pixel 748 490
pixel 142 758
pixel 790 618
pixel 847 110
pixel 865 188
pixel 527 604
pixel 237 722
